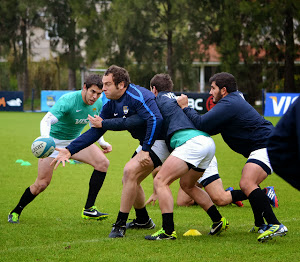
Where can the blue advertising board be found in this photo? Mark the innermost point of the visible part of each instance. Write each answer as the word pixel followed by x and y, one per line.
pixel 276 104
pixel 11 100
pixel 49 97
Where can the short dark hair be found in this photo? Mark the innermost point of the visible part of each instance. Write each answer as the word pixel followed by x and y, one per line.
pixel 119 75
pixel 93 80
pixel 162 82
pixel 224 79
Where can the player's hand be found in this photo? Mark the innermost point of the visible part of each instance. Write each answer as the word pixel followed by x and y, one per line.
pixel 152 199
pixel 107 148
pixel 182 101
pixel 63 156
pixel 95 121
pixel 144 158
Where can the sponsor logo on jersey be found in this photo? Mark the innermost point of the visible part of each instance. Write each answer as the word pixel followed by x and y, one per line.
pixel 170 95
pixel 125 109
pixel 81 121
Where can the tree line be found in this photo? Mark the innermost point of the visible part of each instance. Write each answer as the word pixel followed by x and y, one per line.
pixel 258 40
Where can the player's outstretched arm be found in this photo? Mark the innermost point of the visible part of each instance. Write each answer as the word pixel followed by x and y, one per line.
pixel 86 139
pixel 63 156
pixel 120 124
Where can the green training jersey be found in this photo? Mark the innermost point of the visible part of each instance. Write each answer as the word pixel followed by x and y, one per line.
pixel 183 135
pixel 72 114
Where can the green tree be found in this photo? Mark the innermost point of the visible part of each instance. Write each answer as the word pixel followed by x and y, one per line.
pixel 17 20
pixel 150 36
pixel 62 23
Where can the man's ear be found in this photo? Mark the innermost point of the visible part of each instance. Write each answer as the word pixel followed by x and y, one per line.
pixel 154 90
pixel 121 85
pixel 224 91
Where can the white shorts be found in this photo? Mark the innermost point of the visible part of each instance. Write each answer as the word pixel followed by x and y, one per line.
pixel 210 171
pixel 260 157
pixel 198 151
pixel 159 148
pixel 60 144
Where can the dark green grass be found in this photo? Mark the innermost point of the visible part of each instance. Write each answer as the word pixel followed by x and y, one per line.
pixel 51 228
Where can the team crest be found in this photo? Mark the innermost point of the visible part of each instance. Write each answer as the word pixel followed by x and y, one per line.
pixel 94 109
pixel 50 100
pixel 125 109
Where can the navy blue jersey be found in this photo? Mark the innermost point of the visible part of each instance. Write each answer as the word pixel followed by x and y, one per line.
pixel 136 100
pixel 284 146
pixel 241 126
pixel 174 117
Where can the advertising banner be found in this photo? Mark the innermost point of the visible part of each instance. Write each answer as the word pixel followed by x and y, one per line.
pixel 276 104
pixel 201 102
pixel 49 97
pixel 11 100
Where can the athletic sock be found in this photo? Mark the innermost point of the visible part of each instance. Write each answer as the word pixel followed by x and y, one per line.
pixel 25 199
pixel 261 208
pixel 142 216
pixel 95 185
pixel 238 195
pixel 122 218
pixel 214 214
pixel 168 223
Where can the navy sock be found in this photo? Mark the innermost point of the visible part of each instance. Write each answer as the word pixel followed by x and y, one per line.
pixel 25 199
pixel 214 214
pixel 142 215
pixel 95 185
pixel 261 208
pixel 168 223
pixel 122 218
pixel 238 195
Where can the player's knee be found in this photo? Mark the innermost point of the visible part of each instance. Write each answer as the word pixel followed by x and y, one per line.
pixel 185 203
pixel 40 186
pixel 219 201
pixel 102 165
pixel 158 181
pixel 244 185
pixel 129 174
pixel 185 186
pixel 179 202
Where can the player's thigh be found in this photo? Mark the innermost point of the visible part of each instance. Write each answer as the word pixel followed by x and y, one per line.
pixel 45 170
pixel 190 178
pixel 172 169
pixel 91 155
pixel 134 171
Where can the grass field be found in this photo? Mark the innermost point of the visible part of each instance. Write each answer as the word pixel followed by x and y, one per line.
pixel 51 228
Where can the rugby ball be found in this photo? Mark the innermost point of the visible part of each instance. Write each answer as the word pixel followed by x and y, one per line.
pixel 43 147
